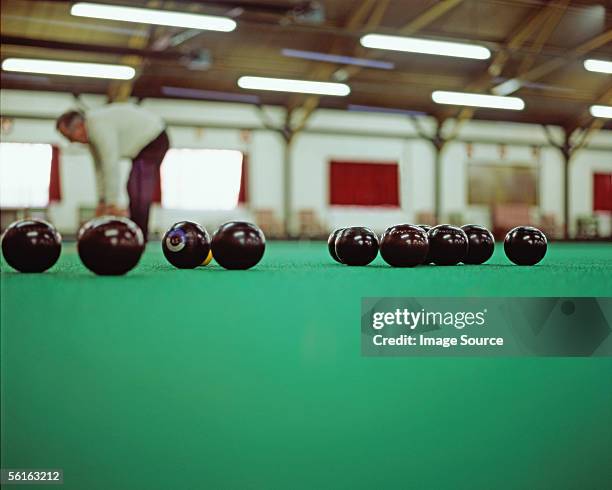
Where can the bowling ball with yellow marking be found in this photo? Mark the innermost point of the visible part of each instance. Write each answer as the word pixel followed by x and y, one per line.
pixel 186 245
pixel 207 259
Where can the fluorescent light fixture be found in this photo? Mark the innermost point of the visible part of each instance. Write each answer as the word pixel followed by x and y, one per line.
pixel 195 93
pixel 425 46
pixel 152 16
pixel 478 100
pixel 333 58
pixel 508 87
pixel 299 86
pixel 601 111
pixel 383 110
pixel 69 68
pixel 599 66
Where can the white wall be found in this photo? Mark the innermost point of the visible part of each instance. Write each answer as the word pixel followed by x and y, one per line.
pixel 381 138
pixel 311 154
pixel 455 162
pixel 584 164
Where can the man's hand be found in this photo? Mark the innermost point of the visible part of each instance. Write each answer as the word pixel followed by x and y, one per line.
pixel 100 209
pixel 113 210
pixel 110 210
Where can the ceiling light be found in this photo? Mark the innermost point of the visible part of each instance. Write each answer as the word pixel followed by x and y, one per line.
pixel 599 66
pixel 194 93
pixel 508 87
pixel 300 86
pixel 601 111
pixel 334 58
pixel 153 16
pixel 383 110
pixel 425 46
pixel 69 68
pixel 478 100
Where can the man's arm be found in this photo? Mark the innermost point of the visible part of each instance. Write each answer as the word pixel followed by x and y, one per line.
pixel 103 140
pixel 100 192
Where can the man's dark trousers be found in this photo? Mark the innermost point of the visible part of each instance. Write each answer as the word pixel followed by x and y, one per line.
pixel 144 179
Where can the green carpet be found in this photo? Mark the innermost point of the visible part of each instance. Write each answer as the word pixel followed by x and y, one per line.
pixel 206 378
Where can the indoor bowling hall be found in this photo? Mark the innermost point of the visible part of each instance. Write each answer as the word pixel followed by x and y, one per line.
pixel 236 147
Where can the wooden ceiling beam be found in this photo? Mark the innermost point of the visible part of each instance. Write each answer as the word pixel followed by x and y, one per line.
pixel 595 124
pixel 324 70
pixel 120 91
pixel 376 10
pixel 374 20
pixel 415 25
pixel 88 48
pixel 430 15
pixel 540 71
pixel 548 27
pixel 546 20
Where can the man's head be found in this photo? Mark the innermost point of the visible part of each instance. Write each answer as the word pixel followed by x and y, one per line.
pixel 72 125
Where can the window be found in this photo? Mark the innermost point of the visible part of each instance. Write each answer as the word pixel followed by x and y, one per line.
pixel 363 184
pixel 490 184
pixel 197 179
pixel 25 173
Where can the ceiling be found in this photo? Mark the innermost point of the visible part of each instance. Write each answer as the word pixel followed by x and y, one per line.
pixel 543 43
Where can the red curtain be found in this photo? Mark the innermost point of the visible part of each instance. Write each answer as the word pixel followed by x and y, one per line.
pixel 363 184
pixel 602 192
pixel 55 188
pixel 243 195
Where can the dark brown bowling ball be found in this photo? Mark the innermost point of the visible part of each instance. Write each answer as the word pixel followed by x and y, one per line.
pixel 331 244
pixel 31 245
pixel 110 246
pixel 186 245
pixel 426 228
pixel 356 246
pixel 525 245
pixel 238 245
pixel 448 245
pixel 404 245
pixel 481 244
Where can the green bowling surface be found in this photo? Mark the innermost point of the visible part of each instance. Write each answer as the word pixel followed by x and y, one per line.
pixel 214 379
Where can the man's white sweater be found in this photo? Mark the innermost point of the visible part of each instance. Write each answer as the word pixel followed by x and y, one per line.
pixel 118 131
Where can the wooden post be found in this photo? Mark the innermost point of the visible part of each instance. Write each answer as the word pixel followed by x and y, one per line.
pixel 437 181
pixel 438 142
pixel 567 156
pixel 287 133
pixel 287 186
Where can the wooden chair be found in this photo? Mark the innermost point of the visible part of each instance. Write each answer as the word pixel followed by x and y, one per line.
pixel 456 218
pixel 587 227
pixel 309 224
pixel 548 224
pixel 425 218
pixel 507 216
pixel 10 215
pixel 268 222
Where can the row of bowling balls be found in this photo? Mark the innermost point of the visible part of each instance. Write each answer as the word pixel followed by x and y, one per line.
pixel 112 245
pixel 408 245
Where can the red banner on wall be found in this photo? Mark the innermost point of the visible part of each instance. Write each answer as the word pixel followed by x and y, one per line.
pixel 602 192
pixel 363 184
